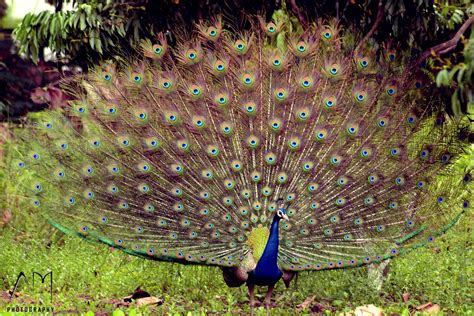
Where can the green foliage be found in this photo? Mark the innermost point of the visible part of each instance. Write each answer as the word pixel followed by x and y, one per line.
pixel 459 77
pixel 450 14
pixel 89 29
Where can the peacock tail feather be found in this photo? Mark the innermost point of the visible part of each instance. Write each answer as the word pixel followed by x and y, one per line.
pixel 185 153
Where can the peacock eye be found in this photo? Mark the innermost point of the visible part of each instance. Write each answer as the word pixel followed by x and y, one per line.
pixel 157 50
pixel 107 77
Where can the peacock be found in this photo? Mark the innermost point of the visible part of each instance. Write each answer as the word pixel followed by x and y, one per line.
pixel 264 151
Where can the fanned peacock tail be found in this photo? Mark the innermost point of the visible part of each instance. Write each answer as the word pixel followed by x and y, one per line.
pixel 184 154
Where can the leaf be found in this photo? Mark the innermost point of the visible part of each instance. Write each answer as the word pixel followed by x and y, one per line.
pixel 82 24
pixel 52 26
pixel 442 78
pixel 455 104
pixel 99 46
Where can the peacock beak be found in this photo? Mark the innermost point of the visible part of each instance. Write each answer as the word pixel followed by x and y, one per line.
pixel 285 217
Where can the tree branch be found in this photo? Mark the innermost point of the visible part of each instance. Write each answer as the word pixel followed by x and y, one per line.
pixel 447 46
pixel 378 20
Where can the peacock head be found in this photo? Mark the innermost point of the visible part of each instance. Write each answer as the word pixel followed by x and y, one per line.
pixel 281 214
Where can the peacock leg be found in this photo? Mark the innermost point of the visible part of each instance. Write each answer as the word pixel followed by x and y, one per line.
pixel 269 296
pixel 251 295
pixel 252 298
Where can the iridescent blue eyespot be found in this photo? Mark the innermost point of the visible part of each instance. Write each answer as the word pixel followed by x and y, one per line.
pixel 38 187
pixel 333 71
pixel 107 77
pixel 20 164
pixel 410 119
pixel 440 199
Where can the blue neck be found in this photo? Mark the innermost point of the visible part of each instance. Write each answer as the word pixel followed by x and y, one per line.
pixel 270 254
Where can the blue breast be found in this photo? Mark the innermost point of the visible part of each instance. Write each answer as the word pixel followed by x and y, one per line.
pixel 267 272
